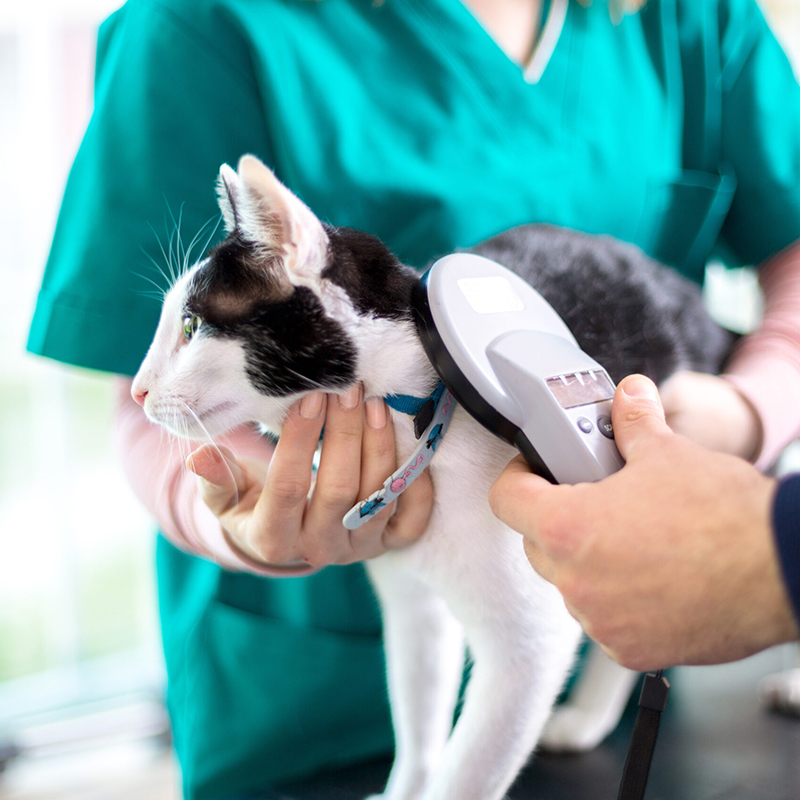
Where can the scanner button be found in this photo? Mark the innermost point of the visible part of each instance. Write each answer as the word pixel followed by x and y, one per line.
pixel 585 425
pixel 604 424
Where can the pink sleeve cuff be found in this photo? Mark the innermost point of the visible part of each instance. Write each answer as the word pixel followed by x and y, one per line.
pixel 765 366
pixel 155 467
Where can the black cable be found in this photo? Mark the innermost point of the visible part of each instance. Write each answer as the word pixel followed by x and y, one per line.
pixel 652 701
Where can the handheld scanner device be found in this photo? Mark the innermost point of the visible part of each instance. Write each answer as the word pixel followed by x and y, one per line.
pixel 509 359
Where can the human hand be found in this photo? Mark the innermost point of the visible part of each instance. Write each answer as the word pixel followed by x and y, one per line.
pixel 668 561
pixel 711 411
pixel 272 515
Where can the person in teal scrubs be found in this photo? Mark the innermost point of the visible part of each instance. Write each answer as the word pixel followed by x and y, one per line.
pixel 676 128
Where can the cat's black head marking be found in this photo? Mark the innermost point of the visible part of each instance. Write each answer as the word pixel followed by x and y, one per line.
pixel 373 277
pixel 290 344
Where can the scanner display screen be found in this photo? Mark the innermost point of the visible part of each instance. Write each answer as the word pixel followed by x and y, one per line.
pixel 581 388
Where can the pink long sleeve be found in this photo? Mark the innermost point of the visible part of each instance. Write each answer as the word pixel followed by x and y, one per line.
pixel 155 468
pixel 765 366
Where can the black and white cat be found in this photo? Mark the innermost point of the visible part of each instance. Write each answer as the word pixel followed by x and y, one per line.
pixel 286 305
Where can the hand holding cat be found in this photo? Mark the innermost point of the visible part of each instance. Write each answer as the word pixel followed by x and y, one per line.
pixel 273 514
pixel 668 561
pixel 709 410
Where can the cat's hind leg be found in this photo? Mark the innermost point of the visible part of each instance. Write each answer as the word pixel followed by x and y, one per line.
pixel 594 708
pixel 517 674
pixel 425 661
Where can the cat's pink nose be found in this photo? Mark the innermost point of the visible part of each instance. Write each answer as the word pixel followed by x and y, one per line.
pixel 139 395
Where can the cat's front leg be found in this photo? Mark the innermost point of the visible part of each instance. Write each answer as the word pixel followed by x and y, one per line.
pixel 424 660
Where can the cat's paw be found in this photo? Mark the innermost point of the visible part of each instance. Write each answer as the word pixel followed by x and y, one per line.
pixel 574 730
pixel 387 796
pixel 781 692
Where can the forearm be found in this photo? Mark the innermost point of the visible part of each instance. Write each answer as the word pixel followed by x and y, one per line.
pixel 765 366
pixel 155 467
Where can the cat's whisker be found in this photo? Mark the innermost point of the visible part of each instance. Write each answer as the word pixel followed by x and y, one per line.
pixel 185 266
pixel 210 441
pixel 166 438
pixel 312 385
pixel 167 273
pixel 169 277
pixel 176 244
pixel 173 261
pixel 161 292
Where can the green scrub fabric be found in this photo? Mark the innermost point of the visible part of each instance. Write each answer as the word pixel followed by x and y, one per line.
pixel 678 130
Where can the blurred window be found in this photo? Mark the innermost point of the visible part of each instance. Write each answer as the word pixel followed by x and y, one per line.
pixel 77 600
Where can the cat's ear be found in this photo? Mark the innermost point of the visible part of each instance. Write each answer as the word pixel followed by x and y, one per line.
pixel 255 202
pixel 228 196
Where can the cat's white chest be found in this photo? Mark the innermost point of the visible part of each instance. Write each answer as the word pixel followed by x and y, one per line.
pixel 464 541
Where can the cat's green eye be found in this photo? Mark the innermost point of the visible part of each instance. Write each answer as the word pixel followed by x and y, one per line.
pixel 191 322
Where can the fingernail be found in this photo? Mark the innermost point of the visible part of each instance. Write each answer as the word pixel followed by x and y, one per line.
pixel 350 399
pixel 375 410
pixel 311 405
pixel 639 386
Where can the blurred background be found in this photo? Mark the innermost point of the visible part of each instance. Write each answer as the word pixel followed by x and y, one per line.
pixel 81 676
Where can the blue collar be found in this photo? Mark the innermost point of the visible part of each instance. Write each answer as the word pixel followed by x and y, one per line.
pixel 408 404
pixel 432 417
pixel 421 408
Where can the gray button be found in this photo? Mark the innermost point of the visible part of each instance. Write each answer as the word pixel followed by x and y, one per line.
pixel 604 424
pixel 585 425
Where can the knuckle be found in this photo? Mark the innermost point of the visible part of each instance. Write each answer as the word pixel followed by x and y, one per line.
pixel 382 451
pixel 559 530
pixel 577 592
pixel 318 558
pixel 289 492
pixel 272 550
pixel 347 434
pixel 401 533
pixel 335 494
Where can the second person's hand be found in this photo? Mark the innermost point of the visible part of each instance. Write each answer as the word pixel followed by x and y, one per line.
pixel 279 516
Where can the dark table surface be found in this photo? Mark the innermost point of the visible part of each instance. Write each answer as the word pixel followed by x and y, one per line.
pixel 715 742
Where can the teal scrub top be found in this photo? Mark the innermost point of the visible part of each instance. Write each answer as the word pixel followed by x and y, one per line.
pixel 678 130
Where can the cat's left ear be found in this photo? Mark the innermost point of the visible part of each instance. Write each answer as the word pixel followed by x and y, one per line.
pixel 253 200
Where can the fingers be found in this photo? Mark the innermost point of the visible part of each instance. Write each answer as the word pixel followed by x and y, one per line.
pixel 224 481
pixel 283 520
pixel 413 514
pixel 340 460
pixel 637 415
pixel 357 456
pixel 277 520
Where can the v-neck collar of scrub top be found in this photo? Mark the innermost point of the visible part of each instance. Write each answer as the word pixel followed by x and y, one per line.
pixel 450 21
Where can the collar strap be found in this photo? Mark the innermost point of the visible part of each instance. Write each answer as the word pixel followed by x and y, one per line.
pixel 408 404
pixel 421 408
pixel 441 404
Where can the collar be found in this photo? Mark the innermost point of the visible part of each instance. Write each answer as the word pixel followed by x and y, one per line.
pixel 432 417
pixel 421 408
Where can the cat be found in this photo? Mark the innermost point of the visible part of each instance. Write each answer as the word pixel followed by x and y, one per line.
pixel 286 304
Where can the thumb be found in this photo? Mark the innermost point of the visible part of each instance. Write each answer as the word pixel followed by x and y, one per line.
pixel 223 481
pixel 515 493
pixel 637 415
